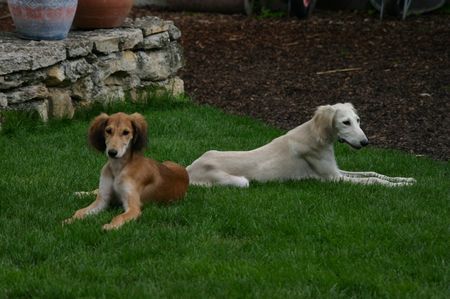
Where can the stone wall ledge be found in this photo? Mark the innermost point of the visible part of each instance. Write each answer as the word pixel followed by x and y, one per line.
pixel 54 77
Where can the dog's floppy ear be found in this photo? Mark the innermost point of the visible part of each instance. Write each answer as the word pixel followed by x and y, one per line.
pixel 139 132
pixel 323 122
pixel 350 106
pixel 96 133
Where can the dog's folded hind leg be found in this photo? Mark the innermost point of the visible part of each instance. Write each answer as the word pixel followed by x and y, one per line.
pixel 219 177
pixel 226 179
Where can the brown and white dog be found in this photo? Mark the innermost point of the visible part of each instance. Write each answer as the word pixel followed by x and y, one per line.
pixel 128 177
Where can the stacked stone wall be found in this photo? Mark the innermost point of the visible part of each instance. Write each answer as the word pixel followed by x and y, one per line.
pixel 56 77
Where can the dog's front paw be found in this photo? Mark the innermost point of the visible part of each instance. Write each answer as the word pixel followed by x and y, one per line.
pixel 68 221
pixel 85 193
pixel 406 181
pixel 243 182
pixel 411 180
pixel 111 226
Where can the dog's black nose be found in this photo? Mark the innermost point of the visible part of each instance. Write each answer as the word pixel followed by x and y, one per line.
pixel 112 153
pixel 364 142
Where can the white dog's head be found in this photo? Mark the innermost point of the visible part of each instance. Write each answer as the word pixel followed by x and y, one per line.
pixel 340 122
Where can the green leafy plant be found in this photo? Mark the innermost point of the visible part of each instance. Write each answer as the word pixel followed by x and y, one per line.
pixel 269 14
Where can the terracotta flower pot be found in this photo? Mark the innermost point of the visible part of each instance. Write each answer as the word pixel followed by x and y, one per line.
pixel 95 14
pixel 42 20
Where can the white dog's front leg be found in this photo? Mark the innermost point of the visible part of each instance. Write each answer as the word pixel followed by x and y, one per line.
pixel 371 174
pixel 370 180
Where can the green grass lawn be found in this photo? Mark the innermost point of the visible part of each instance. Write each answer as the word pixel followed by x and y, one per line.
pixel 276 240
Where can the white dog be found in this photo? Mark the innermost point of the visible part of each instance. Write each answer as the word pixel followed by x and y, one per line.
pixel 304 152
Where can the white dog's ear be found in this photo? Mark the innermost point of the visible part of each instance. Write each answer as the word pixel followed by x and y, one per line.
pixel 323 122
pixel 350 106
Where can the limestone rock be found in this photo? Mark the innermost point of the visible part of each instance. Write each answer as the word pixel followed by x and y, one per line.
pixel 83 89
pixel 68 71
pixel 3 101
pixel 130 38
pixel 153 65
pixel 107 44
pixel 18 55
pixel 159 65
pixel 41 108
pixel 122 79
pixel 7 83
pixel 78 46
pixel 25 94
pixel 55 75
pixel 175 86
pixel 117 62
pixel 173 31
pixel 106 41
pixel 149 25
pixel 76 69
pixel 155 41
pixel 109 94
pixel 22 78
pixel 60 103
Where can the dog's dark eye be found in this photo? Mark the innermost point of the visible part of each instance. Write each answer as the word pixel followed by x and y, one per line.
pixel 358 120
pixel 125 133
pixel 108 130
pixel 346 122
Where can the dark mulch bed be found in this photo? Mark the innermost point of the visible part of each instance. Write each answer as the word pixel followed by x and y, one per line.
pixel 279 70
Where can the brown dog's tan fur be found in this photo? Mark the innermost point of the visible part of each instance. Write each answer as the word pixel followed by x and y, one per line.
pixel 128 177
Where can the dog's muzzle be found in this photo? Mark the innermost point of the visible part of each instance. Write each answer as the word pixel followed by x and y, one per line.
pixel 362 143
pixel 112 153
